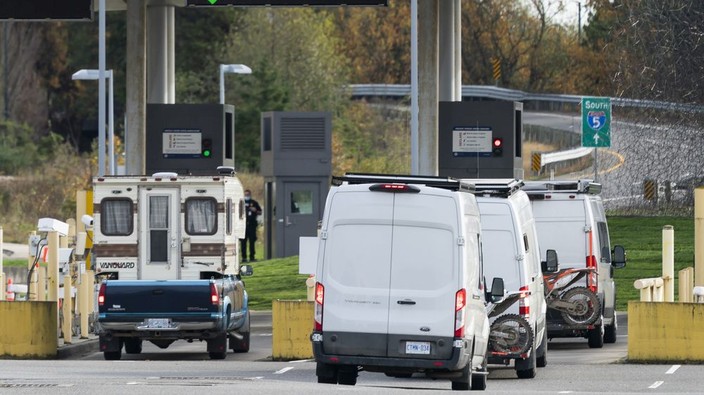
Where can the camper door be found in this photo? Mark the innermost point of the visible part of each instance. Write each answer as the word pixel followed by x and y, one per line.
pixel 159 212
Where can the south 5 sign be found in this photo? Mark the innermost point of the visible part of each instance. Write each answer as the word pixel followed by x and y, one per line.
pixel 596 122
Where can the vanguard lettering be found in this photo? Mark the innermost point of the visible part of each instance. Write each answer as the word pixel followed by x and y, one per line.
pixel 117 265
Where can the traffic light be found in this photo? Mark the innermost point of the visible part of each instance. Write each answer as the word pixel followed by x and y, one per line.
pixel 206 148
pixel 497 146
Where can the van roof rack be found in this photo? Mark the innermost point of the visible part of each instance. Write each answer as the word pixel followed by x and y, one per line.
pixel 578 186
pixel 449 183
pixel 503 187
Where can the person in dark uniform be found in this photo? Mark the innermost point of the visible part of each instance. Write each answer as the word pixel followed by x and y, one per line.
pixel 253 209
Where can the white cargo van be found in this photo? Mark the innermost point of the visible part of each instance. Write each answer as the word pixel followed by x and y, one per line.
pixel 511 251
pixel 570 219
pixel 399 281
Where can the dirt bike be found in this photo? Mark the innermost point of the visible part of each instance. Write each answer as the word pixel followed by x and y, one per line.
pixel 578 305
pixel 509 334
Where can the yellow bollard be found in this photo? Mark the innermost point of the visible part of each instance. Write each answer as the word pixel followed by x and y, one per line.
pixel 668 262
pixel 85 294
pixel 41 283
pixel 91 282
pixel 67 311
pixel 686 285
pixel 53 267
pixel 699 236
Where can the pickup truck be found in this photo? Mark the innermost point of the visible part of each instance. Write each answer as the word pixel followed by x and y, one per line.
pixel 162 312
pixel 165 248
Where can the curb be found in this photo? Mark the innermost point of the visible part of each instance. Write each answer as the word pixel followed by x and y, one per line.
pixel 80 347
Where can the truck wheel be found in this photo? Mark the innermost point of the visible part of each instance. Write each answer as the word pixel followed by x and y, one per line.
pixel 462 383
pixel 133 346
pixel 112 355
pixel 327 374
pixel 347 375
pixel 610 332
pixel 595 337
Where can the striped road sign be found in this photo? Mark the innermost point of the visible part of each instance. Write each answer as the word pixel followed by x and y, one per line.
pixel 536 161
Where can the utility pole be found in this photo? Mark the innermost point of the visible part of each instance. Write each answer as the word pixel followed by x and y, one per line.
pixel 579 22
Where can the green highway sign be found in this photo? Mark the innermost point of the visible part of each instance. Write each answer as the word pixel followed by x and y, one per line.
pixel 596 122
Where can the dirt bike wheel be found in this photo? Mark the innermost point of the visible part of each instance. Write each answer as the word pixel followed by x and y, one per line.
pixel 511 333
pixel 587 306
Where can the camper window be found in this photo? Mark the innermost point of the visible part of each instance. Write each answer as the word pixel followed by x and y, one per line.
pixel 116 217
pixel 201 216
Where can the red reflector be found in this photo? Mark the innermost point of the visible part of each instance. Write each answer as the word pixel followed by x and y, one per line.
pixel 334 359
pixel 438 364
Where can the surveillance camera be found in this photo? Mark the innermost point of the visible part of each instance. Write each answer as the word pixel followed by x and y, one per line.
pixel 87 221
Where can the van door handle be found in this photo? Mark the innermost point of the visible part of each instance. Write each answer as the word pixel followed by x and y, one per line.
pixel 406 301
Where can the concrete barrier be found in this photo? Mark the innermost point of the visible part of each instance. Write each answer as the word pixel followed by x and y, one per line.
pixel 28 330
pixel 292 324
pixel 665 332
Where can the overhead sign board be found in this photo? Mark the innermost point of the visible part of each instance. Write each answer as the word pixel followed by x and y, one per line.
pixel 596 122
pixel 285 3
pixel 46 10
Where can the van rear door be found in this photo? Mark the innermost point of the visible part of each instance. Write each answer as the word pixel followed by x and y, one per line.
pixel 424 275
pixel 356 274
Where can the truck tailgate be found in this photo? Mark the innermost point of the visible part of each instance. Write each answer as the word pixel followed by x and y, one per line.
pixel 181 300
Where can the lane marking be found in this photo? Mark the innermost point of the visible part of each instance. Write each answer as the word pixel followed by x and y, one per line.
pixel 656 384
pixel 673 369
pixel 284 370
pixel 619 157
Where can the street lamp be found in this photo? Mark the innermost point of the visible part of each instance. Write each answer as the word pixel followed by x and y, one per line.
pixel 234 69
pixel 86 74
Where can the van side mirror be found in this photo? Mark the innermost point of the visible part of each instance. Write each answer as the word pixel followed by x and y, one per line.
pixel 618 256
pixel 550 265
pixel 246 270
pixel 497 288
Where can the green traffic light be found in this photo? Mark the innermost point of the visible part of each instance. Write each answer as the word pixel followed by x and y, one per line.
pixel 206 153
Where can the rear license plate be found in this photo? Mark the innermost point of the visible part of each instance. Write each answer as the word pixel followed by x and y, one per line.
pixel 418 348
pixel 158 323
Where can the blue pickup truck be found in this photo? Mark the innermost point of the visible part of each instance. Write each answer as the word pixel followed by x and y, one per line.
pixel 165 248
pixel 162 312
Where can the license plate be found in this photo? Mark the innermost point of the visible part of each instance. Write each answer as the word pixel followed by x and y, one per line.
pixel 158 323
pixel 418 348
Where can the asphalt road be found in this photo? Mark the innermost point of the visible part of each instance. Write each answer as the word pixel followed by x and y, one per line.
pixel 185 367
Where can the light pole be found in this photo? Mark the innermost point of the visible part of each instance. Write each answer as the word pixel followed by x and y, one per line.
pixel 234 69
pixel 86 74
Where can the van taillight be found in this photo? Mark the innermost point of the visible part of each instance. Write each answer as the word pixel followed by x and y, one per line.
pixel 319 300
pixel 460 304
pixel 394 188
pixel 101 295
pixel 524 302
pixel 591 277
pixel 214 296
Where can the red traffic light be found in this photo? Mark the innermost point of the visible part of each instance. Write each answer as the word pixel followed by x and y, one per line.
pixel 497 146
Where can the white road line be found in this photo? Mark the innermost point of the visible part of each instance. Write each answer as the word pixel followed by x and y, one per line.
pixel 673 369
pixel 656 384
pixel 284 370
pixel 302 360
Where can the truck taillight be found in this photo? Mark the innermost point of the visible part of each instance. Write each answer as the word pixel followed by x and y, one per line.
pixel 101 295
pixel 591 277
pixel 319 300
pixel 214 295
pixel 460 304
pixel 524 302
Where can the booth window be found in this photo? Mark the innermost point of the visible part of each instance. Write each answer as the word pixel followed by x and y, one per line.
pixel 201 216
pixel 302 202
pixel 116 217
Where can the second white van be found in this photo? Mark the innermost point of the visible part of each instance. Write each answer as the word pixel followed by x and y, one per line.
pixel 511 251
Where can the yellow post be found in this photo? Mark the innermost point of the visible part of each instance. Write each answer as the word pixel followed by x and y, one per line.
pixel 686 285
pixel 699 236
pixel 53 265
pixel 67 311
pixel 41 283
pixel 668 262
pixel 91 282
pixel 32 286
pixel 85 294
